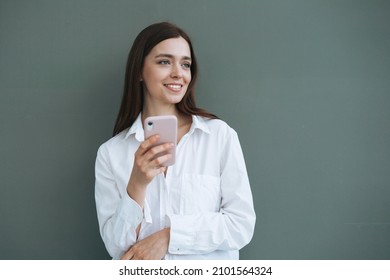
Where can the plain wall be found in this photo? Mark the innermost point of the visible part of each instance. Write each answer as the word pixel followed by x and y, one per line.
pixel 306 84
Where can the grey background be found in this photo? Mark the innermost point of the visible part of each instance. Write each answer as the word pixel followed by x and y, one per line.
pixel 306 84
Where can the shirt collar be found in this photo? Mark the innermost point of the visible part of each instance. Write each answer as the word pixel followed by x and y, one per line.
pixel 199 123
pixel 137 128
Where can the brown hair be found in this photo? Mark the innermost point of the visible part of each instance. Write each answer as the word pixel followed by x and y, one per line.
pixel 132 99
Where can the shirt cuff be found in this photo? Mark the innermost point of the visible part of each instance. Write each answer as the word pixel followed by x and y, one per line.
pixel 130 211
pixel 182 240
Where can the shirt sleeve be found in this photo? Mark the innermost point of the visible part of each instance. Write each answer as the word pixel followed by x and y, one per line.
pixel 118 215
pixel 232 227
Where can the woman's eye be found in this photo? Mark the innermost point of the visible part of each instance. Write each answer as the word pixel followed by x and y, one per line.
pixel 163 62
pixel 186 65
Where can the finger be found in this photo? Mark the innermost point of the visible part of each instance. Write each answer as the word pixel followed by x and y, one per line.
pixel 163 169
pixel 147 144
pixel 159 161
pixel 127 256
pixel 156 170
pixel 156 151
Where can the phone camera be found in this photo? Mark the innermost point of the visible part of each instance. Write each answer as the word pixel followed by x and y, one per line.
pixel 150 123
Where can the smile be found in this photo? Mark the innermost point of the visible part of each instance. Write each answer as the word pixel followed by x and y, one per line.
pixel 173 86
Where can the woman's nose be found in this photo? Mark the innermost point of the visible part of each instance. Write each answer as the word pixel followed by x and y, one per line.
pixel 176 71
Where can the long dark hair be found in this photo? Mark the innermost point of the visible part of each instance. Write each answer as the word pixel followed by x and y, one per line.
pixel 133 99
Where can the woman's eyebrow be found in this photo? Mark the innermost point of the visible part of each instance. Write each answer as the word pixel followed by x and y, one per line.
pixel 171 56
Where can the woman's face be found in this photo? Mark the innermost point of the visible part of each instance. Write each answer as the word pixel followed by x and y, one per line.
pixel 167 72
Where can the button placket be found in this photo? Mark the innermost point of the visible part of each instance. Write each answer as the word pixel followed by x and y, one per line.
pixel 163 200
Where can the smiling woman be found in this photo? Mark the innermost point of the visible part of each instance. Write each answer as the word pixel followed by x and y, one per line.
pixel 199 208
pixel 166 74
pixel 133 97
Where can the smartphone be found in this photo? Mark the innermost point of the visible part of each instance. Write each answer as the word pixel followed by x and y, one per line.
pixel 166 127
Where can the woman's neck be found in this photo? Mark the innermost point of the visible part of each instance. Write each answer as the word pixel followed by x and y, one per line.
pixel 165 111
pixel 148 111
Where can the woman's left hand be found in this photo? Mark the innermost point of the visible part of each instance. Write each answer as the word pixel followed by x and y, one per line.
pixel 153 247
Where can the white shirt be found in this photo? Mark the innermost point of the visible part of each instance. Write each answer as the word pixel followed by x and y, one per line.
pixel 205 197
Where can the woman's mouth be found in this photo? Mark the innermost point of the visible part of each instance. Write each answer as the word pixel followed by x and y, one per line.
pixel 174 87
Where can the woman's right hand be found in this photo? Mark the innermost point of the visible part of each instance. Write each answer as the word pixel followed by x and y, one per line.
pixel 146 166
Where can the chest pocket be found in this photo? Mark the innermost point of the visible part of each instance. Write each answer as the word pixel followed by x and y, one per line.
pixel 199 193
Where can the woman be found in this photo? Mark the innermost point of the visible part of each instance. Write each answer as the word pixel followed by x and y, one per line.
pixel 199 208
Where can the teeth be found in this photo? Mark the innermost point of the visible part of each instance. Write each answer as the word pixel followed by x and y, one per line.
pixel 174 86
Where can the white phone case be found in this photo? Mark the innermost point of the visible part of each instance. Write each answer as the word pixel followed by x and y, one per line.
pixel 166 127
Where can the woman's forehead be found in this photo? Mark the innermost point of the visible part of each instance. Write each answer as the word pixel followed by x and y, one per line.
pixel 177 47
